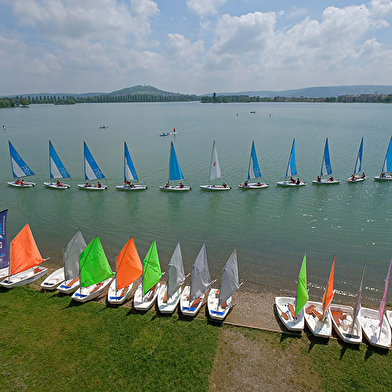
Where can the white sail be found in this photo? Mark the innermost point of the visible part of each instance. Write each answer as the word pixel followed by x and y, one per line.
pixel 215 172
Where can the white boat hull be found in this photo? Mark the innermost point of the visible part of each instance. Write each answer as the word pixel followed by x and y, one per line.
pixel 320 328
pixel 84 294
pixel 92 188
pixel 69 286
pixel 215 188
pixel 343 325
pixel 118 297
pixel 370 326
pixel 356 179
pixel 386 178
pixel 24 277
pixel 292 323
pixel 4 272
pixel 171 303
pixel 290 183
pixel 135 187
pixel 388 314
pixel 187 308
pixel 217 312
pixel 253 185
pixel 53 280
pixel 326 181
pixel 25 185
pixel 54 185
pixel 172 188
pixel 144 302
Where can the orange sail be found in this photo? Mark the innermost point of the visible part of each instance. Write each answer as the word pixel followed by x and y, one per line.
pixel 24 252
pixel 129 266
pixel 328 293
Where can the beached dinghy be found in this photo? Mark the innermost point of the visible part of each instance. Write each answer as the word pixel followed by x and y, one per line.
pixel 169 293
pixel 147 291
pixel 24 262
pixel 357 176
pixel 56 169
pixel 317 315
pixel 95 272
pixel 4 261
pixel 215 173
pixel 19 169
pixel 128 269
pixel 53 280
pixel 71 257
pixel 386 170
pixel 326 169
pixel 291 310
pixel 192 296
pixel 219 300
pixel 291 171
pixel 130 175
pixel 253 172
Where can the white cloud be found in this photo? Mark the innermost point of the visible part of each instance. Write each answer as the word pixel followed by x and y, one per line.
pixel 204 7
pixel 178 47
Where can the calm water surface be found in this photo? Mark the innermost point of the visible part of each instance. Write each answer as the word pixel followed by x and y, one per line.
pixel 272 228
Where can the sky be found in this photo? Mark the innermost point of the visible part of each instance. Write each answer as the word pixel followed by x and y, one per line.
pixel 192 46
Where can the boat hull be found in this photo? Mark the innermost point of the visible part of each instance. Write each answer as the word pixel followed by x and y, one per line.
pixel 356 179
pixel 216 312
pixel 319 328
pixel 133 188
pixel 343 326
pixel 187 308
pixel 84 294
pixel 171 303
pixel 215 188
pixel 325 181
pixel 388 313
pixel 386 178
pixel 4 272
pixel 253 185
pixel 92 188
pixel 172 188
pixel 54 185
pixel 290 183
pixel 144 302
pixel 24 277
pixel 292 324
pixel 118 297
pixel 26 185
pixel 69 286
pixel 53 280
pixel 370 326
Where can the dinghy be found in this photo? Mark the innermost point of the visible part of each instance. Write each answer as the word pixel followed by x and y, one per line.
pixel 24 262
pixel 130 175
pixel 219 300
pixel 91 172
pixel 386 170
pixel 192 296
pixel 4 261
pixel 253 172
pixel 95 272
pixel 19 169
pixel 215 173
pixel 326 169
pixel 147 291
pixel 175 174
pixel 71 257
pixel 291 310
pixel 317 315
pixel 358 175
pixel 291 171
pixel 56 169
pixel 169 293
pixel 128 269
pixel 53 280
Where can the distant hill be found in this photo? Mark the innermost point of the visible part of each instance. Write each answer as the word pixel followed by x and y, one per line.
pixel 142 90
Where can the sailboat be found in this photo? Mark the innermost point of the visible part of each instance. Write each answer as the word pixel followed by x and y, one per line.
pixel 95 273
pixel 317 314
pixel 71 256
pixel 345 319
pixel 358 166
pixel 4 261
pixel 169 294
pixel 19 169
pixel 175 173
pixel 291 310
pixel 386 170
pixel 215 173
pixel 130 174
pixel 219 300
pixel 147 291
pixel 56 170
pixel 128 269
pixel 253 172
pixel 24 262
pixel 91 172
pixel 326 169
pixel 192 296
pixel 291 170
pixel 374 324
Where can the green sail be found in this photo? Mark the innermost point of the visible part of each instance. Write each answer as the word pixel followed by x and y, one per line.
pixel 94 266
pixel 302 293
pixel 151 268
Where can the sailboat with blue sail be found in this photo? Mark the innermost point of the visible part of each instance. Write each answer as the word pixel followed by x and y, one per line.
pixel 175 174
pixel 386 170
pixel 326 169
pixel 19 169
pixel 57 170
pixel 91 172
pixel 130 175
pixel 357 176
pixel 4 261
pixel 291 170
pixel 253 172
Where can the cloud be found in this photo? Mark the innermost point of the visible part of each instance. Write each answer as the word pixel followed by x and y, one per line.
pixel 204 7
pixel 178 47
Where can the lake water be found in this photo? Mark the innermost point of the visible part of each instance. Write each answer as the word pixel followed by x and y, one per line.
pixel 272 228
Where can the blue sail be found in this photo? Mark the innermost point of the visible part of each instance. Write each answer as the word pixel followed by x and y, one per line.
pixel 387 166
pixel 358 162
pixel 129 168
pixel 175 173
pixel 254 169
pixel 3 240
pixel 56 167
pixel 326 163
pixel 291 166
pixel 91 169
pixel 19 167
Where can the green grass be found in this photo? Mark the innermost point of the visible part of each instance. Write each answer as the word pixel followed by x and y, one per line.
pixel 48 342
